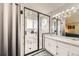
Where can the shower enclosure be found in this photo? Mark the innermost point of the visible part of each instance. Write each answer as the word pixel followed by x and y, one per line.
pixel 35 24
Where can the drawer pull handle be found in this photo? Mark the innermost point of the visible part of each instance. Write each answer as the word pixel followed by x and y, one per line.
pixel 56 46
pixel 56 53
pixel 29 48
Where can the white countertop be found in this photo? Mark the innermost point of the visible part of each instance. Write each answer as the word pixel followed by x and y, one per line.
pixel 64 39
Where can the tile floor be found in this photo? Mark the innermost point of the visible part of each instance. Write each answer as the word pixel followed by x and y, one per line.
pixel 43 53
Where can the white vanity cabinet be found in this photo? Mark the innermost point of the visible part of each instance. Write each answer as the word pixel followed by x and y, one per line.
pixel 74 51
pixel 50 45
pixel 62 49
pixel 56 48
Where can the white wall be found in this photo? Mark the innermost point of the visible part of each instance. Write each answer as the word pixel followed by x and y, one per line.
pixel 6 27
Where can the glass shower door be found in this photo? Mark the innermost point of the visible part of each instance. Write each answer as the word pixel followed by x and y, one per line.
pixel 43 28
pixel 31 31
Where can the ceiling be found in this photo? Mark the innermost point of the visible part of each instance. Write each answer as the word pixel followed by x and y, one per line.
pixel 50 8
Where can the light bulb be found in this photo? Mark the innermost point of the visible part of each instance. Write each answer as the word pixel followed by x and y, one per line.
pixel 74 9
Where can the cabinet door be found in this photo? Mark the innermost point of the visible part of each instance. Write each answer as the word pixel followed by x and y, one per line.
pixel 50 45
pixel 74 51
pixel 62 49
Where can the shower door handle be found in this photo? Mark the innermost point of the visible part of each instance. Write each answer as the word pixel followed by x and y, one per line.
pixel 32 32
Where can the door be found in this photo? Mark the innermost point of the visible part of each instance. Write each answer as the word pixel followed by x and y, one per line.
pixel 74 51
pixel 50 45
pixel 62 49
pixel 43 28
pixel 35 24
pixel 31 31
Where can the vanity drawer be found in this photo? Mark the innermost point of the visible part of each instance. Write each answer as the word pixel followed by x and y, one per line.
pixel 74 51
pixel 63 49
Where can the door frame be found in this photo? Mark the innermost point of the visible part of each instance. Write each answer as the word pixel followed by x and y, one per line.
pixel 24 33
pixel 38 29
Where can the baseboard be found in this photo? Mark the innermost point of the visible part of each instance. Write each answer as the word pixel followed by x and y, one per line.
pixel 49 52
pixel 32 54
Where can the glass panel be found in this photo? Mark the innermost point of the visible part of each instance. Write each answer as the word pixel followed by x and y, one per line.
pixel 43 27
pixel 30 31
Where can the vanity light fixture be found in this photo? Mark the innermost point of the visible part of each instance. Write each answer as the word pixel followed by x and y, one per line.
pixel 74 9
pixel 68 11
pixel 56 16
pixel 65 14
